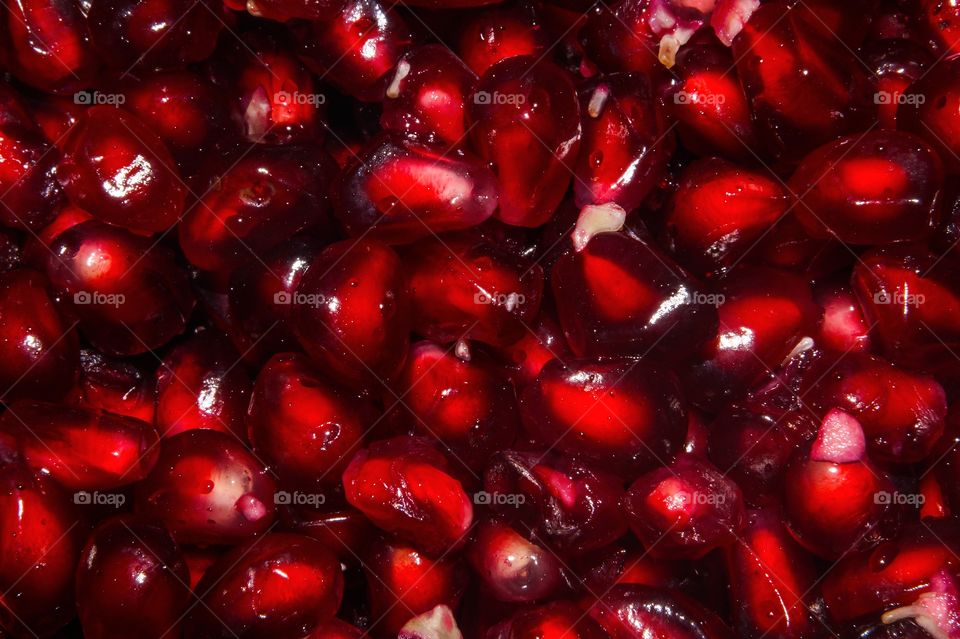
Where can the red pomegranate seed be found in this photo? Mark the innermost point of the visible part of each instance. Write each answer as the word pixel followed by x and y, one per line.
pixel 116 386
pixel 407 487
pixel 402 582
pixel 498 33
pixel 277 585
pixel 465 286
pixel 427 97
pixel 624 413
pixel 207 488
pixel 400 190
pixel 557 620
pixel 41 535
pixel 128 293
pixel 82 448
pixel 305 426
pixel 512 567
pixel 351 311
pixel 201 384
pixel 896 63
pixel 684 510
pixel 39 347
pixel 118 169
pixel 132 578
pixel 523 102
pixel 636 611
pixel 844 328
pixel 346 532
pixel 543 342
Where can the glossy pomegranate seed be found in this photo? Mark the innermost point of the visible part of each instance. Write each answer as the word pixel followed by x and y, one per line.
pixel 254 289
pixel 832 498
pixel 619 37
pixel 29 191
pixel 498 33
pixel 892 574
pixel 942 21
pixel 771 581
pixel 570 505
pixel 543 342
pixel 41 535
pixel 902 413
pixel 684 510
pixel 805 88
pixel 466 287
pixel 844 328
pixel 278 585
pixel 402 582
pixel 119 170
pixel 626 143
pixel 624 413
pixel 39 347
pixel 343 530
pixel 764 315
pixel 468 405
pixel 405 487
pixel 116 386
pixel 896 63
pixel 336 629
pixel 636 611
pixel 357 48
pixel 305 426
pixel 201 384
pixel 427 97
pixel 351 311
pixel 128 294
pixel 269 195
pixel 525 103
pixel 909 296
pixel 878 188
pixel 617 293
pixel 47 45
pixel 156 33
pixel 132 578
pixel 754 446
pixel 400 190
pixel 928 109
pixel 719 213
pixel 709 106
pixel 83 449
pixel 207 488
pixel 512 567
pixel 551 621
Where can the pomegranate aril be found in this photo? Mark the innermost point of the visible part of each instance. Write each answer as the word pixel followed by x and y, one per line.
pixel 116 386
pixel 896 64
pixel 279 586
pixel 128 293
pixel 844 329
pixel 305 426
pixel 498 33
pixel 719 213
pixel 39 347
pixel 82 448
pixel 427 96
pixel 530 104
pixel 400 190
pixel 47 45
pixel 928 108
pixel 771 581
pixel 684 510
pixel 154 33
pixel 41 535
pixel 626 143
pixel 942 21
pixel 543 342
pixel 346 532
pixel 30 193
pixel 619 37
pixel 201 384
pixel 877 188
pixel 402 582
pixel 408 488
pixel 624 413
pixel 357 48
pixel 351 312
pixel 207 488
pixel 637 611
pixel 805 88
pixel 709 106
pixel 468 405
pixel 557 620
pixel 513 567
pixel 118 169
pixel 467 287
pixel 572 506
pixel 270 194
pixel 132 578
